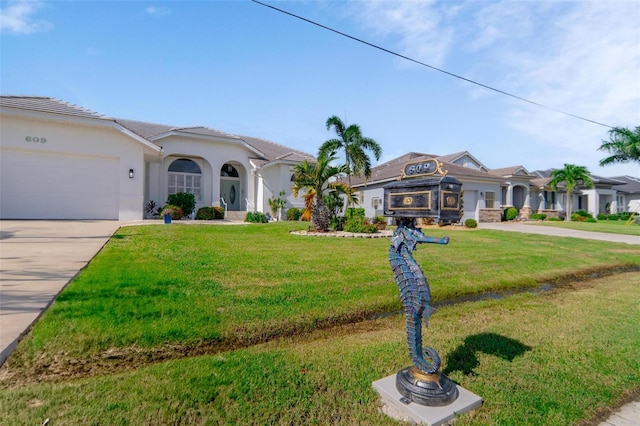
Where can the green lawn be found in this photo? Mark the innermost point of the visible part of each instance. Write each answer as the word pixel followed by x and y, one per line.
pixel 207 324
pixel 609 226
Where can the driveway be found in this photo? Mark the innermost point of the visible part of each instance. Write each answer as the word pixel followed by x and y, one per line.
pixel 560 232
pixel 37 260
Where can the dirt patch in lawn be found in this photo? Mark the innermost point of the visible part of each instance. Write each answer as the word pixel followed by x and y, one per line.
pixel 59 367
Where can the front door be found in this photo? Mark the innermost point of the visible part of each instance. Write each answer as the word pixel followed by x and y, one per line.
pixel 230 191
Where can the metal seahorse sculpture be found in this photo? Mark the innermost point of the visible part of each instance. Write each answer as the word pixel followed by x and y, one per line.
pixel 421 383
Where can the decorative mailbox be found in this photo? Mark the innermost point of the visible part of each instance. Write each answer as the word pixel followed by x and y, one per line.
pixel 439 198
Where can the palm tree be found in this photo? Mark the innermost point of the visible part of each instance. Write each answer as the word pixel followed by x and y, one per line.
pixel 350 140
pixel 316 179
pixel 571 175
pixel 623 145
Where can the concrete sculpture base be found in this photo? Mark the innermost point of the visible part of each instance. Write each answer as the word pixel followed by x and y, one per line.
pixel 396 406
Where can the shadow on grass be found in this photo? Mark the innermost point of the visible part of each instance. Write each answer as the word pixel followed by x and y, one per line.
pixel 464 358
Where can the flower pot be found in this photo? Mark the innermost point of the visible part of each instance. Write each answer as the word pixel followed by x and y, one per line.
pixel 167 218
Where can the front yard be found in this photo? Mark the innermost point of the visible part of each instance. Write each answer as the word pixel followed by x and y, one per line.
pixel 251 324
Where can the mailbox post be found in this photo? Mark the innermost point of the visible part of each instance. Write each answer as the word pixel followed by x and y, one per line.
pixel 420 194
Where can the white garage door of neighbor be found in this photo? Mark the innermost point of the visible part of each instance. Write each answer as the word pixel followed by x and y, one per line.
pixel 53 186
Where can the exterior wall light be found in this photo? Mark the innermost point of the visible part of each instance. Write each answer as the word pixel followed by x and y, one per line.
pixel 130 173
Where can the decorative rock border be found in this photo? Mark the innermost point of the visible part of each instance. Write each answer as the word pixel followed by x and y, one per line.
pixel 342 234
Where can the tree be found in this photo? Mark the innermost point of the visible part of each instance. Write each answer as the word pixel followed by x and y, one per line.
pixel 316 179
pixel 571 175
pixel 276 204
pixel 623 145
pixel 355 145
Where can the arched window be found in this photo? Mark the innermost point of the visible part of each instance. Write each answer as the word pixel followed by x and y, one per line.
pixel 229 171
pixel 185 176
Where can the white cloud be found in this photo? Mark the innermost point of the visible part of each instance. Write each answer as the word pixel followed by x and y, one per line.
pixel 422 27
pixel 17 18
pixel 581 57
pixel 157 11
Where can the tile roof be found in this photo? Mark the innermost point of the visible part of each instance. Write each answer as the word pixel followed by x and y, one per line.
pixel 273 151
pixel 49 105
pixel 510 171
pixel 392 169
pixel 631 184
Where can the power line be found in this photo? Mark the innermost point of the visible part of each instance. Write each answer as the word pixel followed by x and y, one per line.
pixel 502 92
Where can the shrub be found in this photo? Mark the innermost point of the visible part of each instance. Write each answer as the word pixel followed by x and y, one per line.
pixel 581 216
pixel 511 213
pixel 174 211
pixel 210 213
pixel 555 219
pixel 256 217
pixel 354 212
pixel 184 200
pixel 337 223
pixel 151 208
pixel 294 213
pixel 604 216
pixel 358 224
pixel 538 216
pixel 471 223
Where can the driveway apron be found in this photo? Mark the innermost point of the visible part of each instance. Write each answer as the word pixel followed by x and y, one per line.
pixel 37 260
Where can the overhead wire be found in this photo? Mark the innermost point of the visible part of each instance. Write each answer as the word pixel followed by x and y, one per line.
pixel 391 52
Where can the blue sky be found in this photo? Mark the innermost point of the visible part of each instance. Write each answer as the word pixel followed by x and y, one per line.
pixel 243 68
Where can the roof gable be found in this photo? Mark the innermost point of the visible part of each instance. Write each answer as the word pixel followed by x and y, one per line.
pixel 463 158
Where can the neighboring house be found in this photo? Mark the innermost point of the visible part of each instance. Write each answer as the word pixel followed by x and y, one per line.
pixel 60 161
pixel 628 194
pixel 488 192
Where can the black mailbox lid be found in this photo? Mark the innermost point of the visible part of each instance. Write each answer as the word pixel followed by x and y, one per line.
pixel 432 197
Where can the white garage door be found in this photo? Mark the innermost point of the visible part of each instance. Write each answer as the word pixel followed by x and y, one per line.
pixel 37 185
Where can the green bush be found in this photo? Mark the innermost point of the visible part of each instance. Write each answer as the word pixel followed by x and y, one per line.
pixel 354 212
pixel 582 216
pixel 294 213
pixel 538 216
pixel 511 213
pixel 337 223
pixel 256 217
pixel 184 200
pixel 471 223
pixel 358 224
pixel 210 213
pixel 555 219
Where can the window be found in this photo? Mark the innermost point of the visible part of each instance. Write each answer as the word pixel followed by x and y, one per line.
pixel 184 176
pixel 490 199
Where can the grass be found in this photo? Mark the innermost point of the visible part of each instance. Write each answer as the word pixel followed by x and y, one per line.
pixel 176 304
pixel 552 359
pixel 608 226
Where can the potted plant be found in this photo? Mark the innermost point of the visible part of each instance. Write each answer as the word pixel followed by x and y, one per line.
pixel 380 222
pixel 169 212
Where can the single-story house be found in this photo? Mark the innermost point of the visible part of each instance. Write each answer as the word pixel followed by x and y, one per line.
pixel 488 192
pixel 61 161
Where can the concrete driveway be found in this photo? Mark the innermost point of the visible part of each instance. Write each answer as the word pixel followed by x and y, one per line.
pixel 37 260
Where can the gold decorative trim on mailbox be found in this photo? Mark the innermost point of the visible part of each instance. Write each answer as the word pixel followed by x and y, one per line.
pixel 411 200
pixel 427 167
pixel 450 200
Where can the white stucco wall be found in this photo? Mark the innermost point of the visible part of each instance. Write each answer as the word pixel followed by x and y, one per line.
pixel 48 168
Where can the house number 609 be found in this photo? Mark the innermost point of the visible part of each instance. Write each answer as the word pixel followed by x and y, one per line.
pixel 35 139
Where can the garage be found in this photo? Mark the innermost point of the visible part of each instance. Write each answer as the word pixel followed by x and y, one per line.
pixel 49 185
